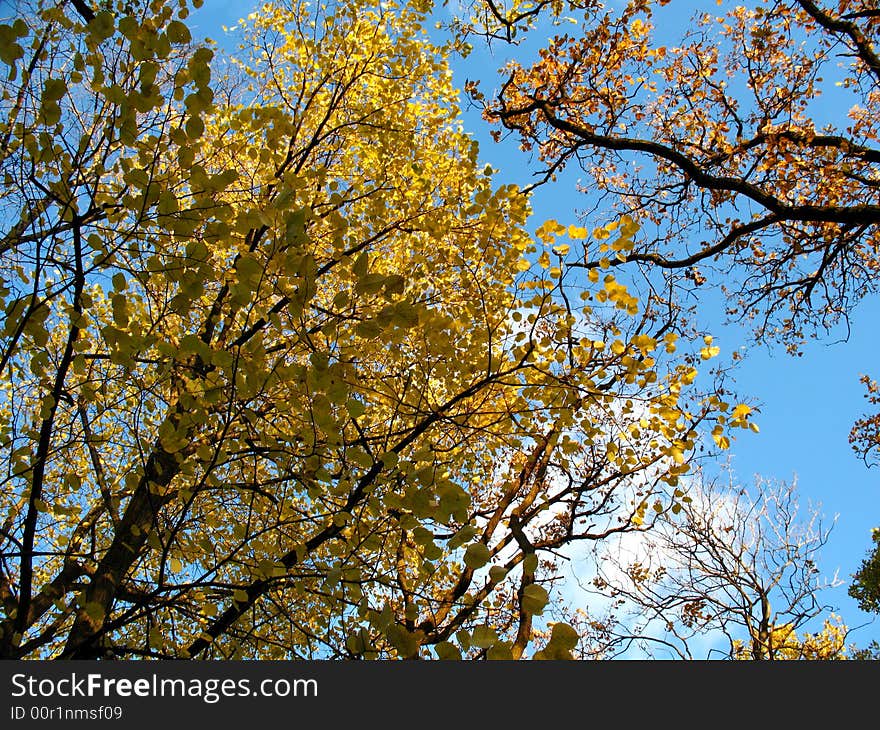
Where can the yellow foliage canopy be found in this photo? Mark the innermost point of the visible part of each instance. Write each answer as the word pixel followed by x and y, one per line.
pixel 275 382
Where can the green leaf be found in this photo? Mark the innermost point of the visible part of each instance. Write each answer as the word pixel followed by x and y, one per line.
pixel 368 329
pixel 405 315
pixel 10 52
pixel 295 227
pixel 359 642
pixel 369 283
pixel 361 265
pixel 477 555
pixel 355 408
pixel 394 284
pixel 534 599
pixel 249 268
pixel 178 32
pixel 102 25
pixel 483 636
pixel 334 575
pixel 194 127
pixel 422 536
pixel 462 536
pixel 454 502
pixel 54 89
pixel 563 636
pixel 502 651
pixel 405 642
pixel 447 651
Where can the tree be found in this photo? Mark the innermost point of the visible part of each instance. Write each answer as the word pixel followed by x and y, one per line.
pixel 828 644
pixel 749 145
pixel 865 434
pixel 283 373
pixel 737 565
pixel 869 653
pixel 719 142
pixel 866 586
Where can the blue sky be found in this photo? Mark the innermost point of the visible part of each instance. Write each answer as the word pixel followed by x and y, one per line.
pixel 808 407
pixel 807 404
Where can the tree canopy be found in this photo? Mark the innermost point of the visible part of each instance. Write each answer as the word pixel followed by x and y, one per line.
pixel 285 374
pixel 738 565
pixel 278 380
pixel 746 143
pixel 722 140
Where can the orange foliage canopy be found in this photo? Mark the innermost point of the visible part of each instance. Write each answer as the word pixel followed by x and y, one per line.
pixel 728 142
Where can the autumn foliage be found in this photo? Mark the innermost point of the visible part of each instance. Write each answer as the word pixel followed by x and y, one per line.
pixel 746 142
pixel 285 372
pixel 722 138
pixel 279 376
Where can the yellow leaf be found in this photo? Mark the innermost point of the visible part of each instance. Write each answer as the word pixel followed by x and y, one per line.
pixel 740 411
